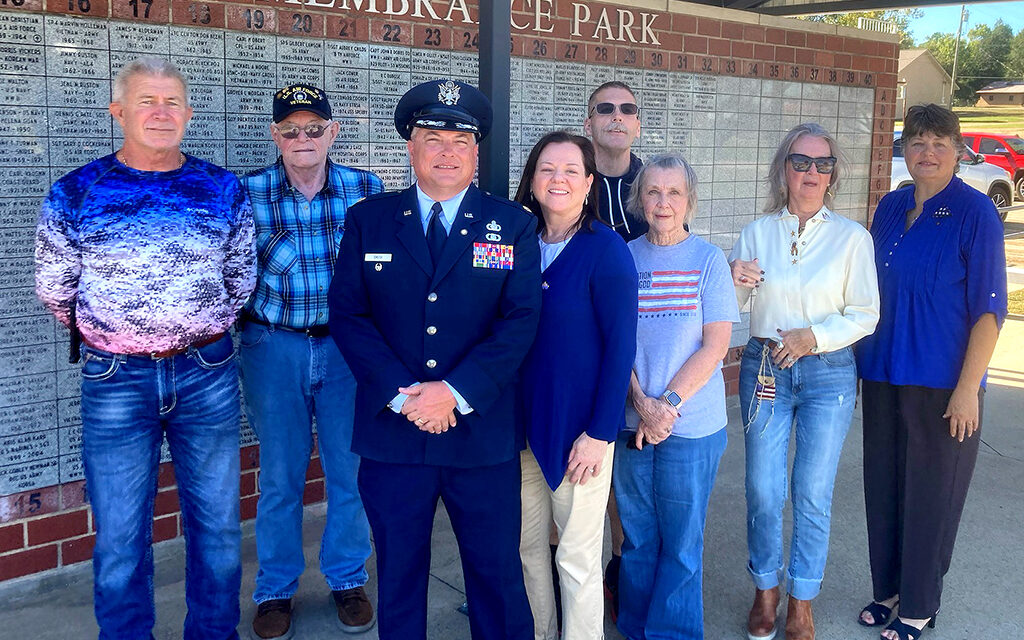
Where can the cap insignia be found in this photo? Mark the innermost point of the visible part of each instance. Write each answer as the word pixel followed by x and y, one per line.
pixel 448 93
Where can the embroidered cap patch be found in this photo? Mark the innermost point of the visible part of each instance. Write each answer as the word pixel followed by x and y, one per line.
pixel 488 255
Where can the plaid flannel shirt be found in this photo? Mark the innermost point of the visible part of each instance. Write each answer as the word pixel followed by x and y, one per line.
pixel 297 241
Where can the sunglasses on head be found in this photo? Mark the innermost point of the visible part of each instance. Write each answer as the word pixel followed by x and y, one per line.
pixel 608 108
pixel 313 130
pixel 803 163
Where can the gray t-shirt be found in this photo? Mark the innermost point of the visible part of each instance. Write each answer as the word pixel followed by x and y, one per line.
pixel 682 288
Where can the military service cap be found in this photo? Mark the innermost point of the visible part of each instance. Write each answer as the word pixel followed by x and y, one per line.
pixel 446 105
pixel 301 97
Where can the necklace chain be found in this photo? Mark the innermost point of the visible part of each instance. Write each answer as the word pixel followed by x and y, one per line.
pixel 120 157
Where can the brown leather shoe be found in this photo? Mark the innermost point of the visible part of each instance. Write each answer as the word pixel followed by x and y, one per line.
pixel 355 613
pixel 799 620
pixel 273 620
pixel 761 619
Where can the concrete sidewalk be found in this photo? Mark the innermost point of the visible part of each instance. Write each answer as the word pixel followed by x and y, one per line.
pixel 983 590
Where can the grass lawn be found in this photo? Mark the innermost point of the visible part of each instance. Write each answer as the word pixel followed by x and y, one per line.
pixel 1016 304
pixel 988 119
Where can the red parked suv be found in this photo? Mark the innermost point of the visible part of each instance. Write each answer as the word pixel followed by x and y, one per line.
pixel 1003 150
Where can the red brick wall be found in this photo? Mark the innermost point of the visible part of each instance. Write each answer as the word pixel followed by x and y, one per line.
pixel 53 527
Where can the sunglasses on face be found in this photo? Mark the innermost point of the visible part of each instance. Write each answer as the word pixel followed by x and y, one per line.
pixel 608 108
pixel 290 132
pixel 803 163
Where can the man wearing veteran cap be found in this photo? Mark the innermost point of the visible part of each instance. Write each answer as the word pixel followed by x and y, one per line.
pixel 434 304
pixel 292 371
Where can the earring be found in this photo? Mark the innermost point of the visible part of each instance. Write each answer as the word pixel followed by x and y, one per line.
pixel 587 199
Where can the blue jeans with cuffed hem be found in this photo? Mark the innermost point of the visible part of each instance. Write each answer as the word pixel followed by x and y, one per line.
pixel 289 379
pixel 816 396
pixel 129 403
pixel 663 492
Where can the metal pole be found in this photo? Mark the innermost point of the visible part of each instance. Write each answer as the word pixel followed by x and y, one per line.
pixel 495 81
pixel 956 54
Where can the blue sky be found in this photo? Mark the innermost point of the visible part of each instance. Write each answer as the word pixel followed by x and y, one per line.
pixel 945 19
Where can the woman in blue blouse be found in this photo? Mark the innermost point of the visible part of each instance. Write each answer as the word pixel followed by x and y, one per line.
pixel 573 387
pixel 942 278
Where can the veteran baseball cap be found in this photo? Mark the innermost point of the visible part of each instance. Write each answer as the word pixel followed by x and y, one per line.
pixel 446 105
pixel 301 97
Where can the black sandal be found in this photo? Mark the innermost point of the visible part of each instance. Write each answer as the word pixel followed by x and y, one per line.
pixel 879 613
pixel 905 631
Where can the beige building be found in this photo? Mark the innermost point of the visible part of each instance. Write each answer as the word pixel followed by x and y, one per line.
pixel 1001 94
pixel 920 80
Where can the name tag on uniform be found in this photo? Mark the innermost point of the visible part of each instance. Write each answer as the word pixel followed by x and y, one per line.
pixel 377 257
pixel 488 255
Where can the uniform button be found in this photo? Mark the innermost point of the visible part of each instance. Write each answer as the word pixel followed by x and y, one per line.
pixel 431 330
pixel 890 253
pixel 432 297
pixel 887 264
pixel 431 363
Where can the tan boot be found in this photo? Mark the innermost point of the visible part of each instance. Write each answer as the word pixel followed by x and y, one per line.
pixel 799 620
pixel 761 619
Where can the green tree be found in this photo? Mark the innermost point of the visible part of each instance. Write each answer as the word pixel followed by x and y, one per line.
pixel 899 17
pixel 1015 60
pixel 986 55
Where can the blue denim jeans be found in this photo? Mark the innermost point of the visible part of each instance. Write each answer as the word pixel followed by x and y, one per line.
pixel 663 492
pixel 289 379
pixel 128 404
pixel 817 394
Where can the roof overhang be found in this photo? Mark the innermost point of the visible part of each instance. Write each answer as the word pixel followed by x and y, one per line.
pixel 811 7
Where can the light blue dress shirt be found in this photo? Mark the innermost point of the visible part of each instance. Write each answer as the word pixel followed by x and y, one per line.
pixel 449 209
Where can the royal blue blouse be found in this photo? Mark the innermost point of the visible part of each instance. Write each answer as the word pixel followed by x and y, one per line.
pixel 576 376
pixel 936 280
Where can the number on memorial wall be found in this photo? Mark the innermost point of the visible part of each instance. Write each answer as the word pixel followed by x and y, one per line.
pixel 254 18
pixel 470 40
pixel 392 33
pixel 432 37
pixel 82 6
pixel 347 29
pixel 302 23
pixel 571 51
pixel 681 62
pixel 199 13
pixel 629 57
pixel 657 59
pixel 730 66
pixel 540 48
pixel 601 54
pixel 134 4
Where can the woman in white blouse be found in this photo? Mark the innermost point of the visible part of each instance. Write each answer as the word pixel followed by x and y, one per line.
pixel 809 276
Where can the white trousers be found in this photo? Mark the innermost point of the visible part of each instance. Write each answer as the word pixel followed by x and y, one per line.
pixel 578 512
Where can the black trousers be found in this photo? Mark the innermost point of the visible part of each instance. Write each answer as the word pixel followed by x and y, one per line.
pixel 483 504
pixel 916 478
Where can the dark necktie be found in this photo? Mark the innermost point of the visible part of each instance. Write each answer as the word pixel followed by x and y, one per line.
pixel 436 234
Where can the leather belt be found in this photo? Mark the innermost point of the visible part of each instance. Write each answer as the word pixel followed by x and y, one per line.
pixel 315 331
pixel 169 353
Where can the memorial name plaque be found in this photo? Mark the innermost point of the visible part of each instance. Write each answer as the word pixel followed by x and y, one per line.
pixel 723 93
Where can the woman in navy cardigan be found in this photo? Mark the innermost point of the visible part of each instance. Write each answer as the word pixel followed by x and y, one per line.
pixel 574 384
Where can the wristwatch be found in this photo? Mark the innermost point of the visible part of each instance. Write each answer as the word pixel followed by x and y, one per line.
pixel 672 398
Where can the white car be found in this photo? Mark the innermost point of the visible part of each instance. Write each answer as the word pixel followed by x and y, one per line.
pixel 986 178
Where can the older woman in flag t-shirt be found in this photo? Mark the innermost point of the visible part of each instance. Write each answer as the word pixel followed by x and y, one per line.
pixel 667 459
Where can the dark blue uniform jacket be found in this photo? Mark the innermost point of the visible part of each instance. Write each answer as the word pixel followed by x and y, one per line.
pixel 397 320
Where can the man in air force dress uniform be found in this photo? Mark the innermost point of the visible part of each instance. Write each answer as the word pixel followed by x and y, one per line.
pixel 434 304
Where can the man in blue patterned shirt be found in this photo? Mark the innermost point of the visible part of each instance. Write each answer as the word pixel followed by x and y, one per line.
pixel 147 252
pixel 292 372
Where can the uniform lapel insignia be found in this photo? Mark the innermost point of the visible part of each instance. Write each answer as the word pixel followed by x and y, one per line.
pixel 467 214
pixel 493 226
pixel 407 212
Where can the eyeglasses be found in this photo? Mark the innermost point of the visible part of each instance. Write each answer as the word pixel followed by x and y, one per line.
pixel 608 108
pixel 803 163
pixel 290 132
